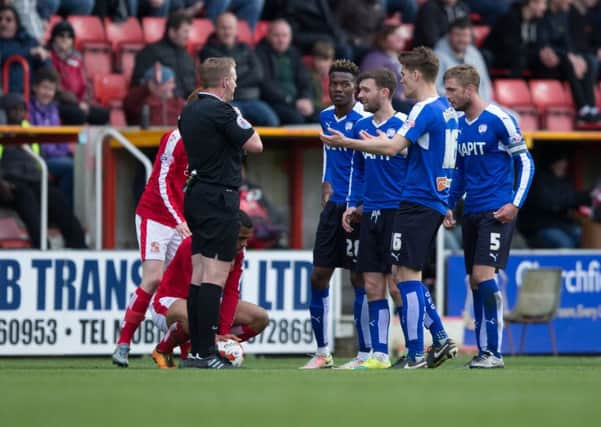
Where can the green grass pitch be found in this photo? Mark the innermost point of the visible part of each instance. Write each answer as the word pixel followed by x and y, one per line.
pixel 531 391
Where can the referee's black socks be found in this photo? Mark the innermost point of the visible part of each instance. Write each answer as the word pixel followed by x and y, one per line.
pixel 204 303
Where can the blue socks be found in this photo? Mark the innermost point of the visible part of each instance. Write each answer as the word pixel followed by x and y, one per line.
pixel 492 307
pixel 412 317
pixel 432 320
pixel 361 315
pixel 320 301
pixel 478 312
pixel 379 321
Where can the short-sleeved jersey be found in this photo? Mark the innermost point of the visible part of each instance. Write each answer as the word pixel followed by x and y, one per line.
pixel 213 134
pixel 432 129
pixel 163 197
pixel 175 282
pixel 378 178
pixel 337 161
pixel 487 149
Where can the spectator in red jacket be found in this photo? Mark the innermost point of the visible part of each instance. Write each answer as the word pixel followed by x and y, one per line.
pixel 73 96
pixel 157 91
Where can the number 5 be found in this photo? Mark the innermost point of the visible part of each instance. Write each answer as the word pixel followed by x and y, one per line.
pixel 495 241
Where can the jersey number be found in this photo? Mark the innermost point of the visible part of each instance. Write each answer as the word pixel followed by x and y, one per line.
pixel 396 242
pixel 495 241
pixel 352 247
pixel 450 148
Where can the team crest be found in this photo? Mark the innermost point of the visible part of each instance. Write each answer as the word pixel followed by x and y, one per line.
pixel 348 126
pixel 482 128
pixel 390 133
pixel 243 123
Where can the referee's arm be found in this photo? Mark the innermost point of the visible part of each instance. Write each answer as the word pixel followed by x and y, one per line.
pixel 253 144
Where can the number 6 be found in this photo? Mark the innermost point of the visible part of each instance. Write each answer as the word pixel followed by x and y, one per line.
pixel 396 242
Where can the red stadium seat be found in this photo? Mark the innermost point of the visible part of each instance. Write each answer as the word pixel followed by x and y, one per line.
pixel 127 62
pixel 245 35
pixel 200 32
pixel 553 103
pixel 598 95
pixel 261 30
pixel 12 236
pixel 514 94
pixel 89 32
pixel 480 34
pixel 153 28
pixel 97 62
pixel 110 89
pixel 121 34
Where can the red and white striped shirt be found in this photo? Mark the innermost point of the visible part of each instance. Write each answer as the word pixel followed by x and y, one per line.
pixel 163 197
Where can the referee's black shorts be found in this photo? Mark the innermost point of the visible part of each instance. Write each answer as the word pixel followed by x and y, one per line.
pixel 212 215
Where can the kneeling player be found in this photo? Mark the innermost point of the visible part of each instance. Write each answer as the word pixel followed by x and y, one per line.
pixel 239 320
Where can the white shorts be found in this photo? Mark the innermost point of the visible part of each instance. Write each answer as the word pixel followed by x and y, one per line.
pixel 159 309
pixel 155 240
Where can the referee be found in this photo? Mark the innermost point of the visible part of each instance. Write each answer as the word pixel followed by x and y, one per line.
pixel 215 136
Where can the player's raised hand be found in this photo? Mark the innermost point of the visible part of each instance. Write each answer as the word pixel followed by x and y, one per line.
pixel 506 213
pixel 449 221
pixel 347 218
pixel 336 139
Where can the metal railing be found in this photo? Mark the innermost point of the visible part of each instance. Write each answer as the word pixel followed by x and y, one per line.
pixel 131 148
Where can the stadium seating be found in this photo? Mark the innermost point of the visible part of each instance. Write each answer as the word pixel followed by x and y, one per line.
pixel 153 28
pixel 261 30
pixel 553 103
pixel 89 32
pixel 117 117
pixel 126 63
pixel 110 89
pixel 598 95
pixel 97 62
pixel 122 34
pixel 201 30
pixel 245 35
pixel 480 34
pixel 514 94
pixel 12 236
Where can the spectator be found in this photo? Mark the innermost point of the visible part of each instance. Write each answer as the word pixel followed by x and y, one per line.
pixel 585 29
pixel 559 56
pixel 456 48
pixel 43 111
pixel 246 10
pixel 433 18
pixel 14 40
pixel 545 218
pixel 149 7
pixel 322 58
pixel 360 20
pixel 117 10
pixel 67 7
pixel 75 106
pixel 31 20
pixel 489 10
pixel 248 68
pixel 314 20
pixel 190 7
pixel 20 186
pixel 171 52
pixel 387 45
pixel 286 85
pixel 156 92
pixel 407 9
pixel 515 40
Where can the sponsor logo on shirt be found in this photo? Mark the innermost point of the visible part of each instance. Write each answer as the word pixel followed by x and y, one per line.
pixel 442 183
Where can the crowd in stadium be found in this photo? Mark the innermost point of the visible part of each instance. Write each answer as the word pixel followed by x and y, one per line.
pixel 132 62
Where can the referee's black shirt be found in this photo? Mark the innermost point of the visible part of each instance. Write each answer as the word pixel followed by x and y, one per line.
pixel 213 135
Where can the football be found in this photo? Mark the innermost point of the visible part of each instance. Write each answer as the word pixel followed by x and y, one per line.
pixel 232 351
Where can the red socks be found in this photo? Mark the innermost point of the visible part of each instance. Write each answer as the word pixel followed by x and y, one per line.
pixel 136 310
pixel 174 337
